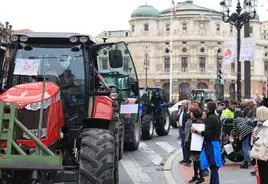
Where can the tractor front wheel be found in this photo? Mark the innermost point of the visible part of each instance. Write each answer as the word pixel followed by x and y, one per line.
pixel 147 127
pixel 163 125
pixel 96 157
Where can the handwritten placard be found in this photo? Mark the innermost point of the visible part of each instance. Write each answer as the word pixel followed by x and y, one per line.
pixel 27 67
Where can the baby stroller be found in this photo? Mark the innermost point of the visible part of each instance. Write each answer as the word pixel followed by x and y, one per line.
pixel 232 148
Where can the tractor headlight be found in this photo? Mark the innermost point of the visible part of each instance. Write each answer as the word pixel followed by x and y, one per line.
pixel 37 105
pixel 14 38
pixel 35 132
pixel 83 39
pixel 74 39
pixel 23 38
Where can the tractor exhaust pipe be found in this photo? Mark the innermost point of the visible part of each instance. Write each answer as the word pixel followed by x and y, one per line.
pixel 58 152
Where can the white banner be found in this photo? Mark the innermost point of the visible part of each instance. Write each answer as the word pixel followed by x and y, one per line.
pixel 229 51
pixel 247 51
pixel 129 108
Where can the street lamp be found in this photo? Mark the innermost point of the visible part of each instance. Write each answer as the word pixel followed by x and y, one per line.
pixel 220 77
pixel 238 19
pixel 146 65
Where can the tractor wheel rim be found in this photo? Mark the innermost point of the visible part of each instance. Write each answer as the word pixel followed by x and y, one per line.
pixel 151 129
pixel 166 123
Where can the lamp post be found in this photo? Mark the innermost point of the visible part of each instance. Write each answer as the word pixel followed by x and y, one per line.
pixel 220 77
pixel 146 65
pixel 240 17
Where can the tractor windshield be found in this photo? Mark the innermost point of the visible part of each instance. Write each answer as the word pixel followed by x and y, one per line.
pixel 33 62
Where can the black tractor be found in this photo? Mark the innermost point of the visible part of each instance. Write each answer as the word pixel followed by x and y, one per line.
pixel 154 109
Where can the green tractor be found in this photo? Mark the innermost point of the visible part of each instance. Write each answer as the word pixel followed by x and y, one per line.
pixel 124 83
pixel 202 95
pixel 57 124
pixel 155 115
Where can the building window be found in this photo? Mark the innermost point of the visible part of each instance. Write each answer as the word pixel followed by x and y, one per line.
pixel 146 27
pixel 231 29
pixel 167 27
pixel 104 63
pixel 218 27
pixel 184 63
pixel 202 63
pixel 126 34
pixel 184 26
pixel 184 49
pixel 167 63
pixel 266 54
pixel 133 28
pixel 202 50
pixel 250 29
pixel 233 68
pixel 266 68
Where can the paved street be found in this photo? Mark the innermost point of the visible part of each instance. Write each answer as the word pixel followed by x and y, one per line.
pixel 147 165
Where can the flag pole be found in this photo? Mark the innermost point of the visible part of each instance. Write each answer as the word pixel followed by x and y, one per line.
pixel 170 52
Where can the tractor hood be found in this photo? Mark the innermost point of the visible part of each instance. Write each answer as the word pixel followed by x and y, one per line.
pixel 25 94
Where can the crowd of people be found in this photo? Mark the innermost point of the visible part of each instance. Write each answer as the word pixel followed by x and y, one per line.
pixel 247 121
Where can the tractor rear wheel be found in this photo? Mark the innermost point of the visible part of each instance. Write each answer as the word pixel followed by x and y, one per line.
pixel 147 127
pixel 132 135
pixel 96 157
pixel 163 125
pixel 121 139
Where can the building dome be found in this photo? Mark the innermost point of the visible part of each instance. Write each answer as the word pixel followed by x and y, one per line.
pixel 145 11
pixel 189 8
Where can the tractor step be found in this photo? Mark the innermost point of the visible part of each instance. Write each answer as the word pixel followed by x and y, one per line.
pixel 65 176
pixel 31 162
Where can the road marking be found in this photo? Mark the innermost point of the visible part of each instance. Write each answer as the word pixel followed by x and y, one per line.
pixel 167 147
pixel 150 154
pixel 168 168
pixel 134 170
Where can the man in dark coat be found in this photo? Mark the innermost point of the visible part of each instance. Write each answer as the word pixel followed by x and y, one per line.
pixel 183 118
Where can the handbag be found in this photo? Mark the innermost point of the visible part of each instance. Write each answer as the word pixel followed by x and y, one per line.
pixel 259 151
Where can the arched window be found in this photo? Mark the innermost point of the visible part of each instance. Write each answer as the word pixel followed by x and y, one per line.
pixel 202 85
pixel 184 90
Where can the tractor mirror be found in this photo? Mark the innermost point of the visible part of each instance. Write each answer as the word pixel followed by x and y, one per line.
pixel 115 58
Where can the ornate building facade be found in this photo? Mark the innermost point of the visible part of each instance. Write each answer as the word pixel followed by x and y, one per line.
pixel 198 34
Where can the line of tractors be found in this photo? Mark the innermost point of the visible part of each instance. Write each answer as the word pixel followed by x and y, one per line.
pixel 69 107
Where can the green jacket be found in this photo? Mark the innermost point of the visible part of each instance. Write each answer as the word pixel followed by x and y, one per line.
pixel 227 113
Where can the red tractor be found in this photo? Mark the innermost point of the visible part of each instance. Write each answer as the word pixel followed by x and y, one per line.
pixel 57 122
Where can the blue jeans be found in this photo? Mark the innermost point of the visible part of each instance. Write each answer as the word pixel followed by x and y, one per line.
pixel 246 147
pixel 185 150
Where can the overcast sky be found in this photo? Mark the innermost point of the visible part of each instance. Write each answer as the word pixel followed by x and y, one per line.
pixel 84 16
